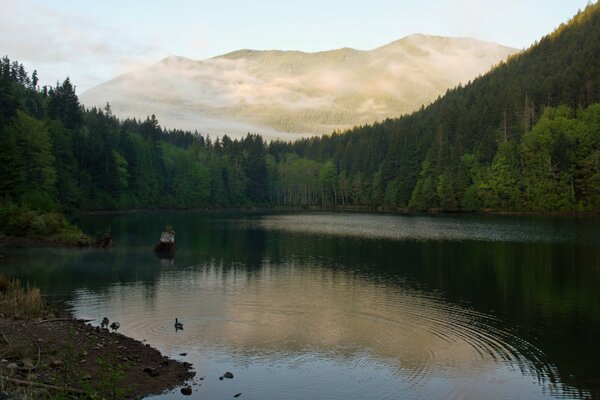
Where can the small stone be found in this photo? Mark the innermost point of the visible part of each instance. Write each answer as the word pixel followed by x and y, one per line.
pixel 237 395
pixel 228 375
pixel 220 378
pixel 186 390
pixel 56 363
pixel 12 366
pixel 27 363
pixel 85 353
pixel 87 377
pixel 4 361
pixel 183 354
pixel 151 371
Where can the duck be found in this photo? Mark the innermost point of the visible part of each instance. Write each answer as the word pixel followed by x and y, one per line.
pixel 178 325
pixel 104 323
pixel 115 326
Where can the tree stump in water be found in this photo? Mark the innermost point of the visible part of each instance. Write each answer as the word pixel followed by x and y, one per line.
pixel 166 245
pixel 105 242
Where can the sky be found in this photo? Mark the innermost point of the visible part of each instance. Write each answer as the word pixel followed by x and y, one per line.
pixel 94 41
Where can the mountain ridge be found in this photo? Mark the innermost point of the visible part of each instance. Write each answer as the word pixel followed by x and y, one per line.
pixel 290 93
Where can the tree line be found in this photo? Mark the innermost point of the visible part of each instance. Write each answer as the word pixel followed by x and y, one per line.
pixel 525 136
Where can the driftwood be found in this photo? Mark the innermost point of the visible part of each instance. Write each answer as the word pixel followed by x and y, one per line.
pixel 61 319
pixel 22 382
pixel 7 342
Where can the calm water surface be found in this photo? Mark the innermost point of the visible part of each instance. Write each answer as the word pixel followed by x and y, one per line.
pixel 348 306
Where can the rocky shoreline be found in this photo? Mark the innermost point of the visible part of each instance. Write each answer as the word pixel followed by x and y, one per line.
pixel 71 357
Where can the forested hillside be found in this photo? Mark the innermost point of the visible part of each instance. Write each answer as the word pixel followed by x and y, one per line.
pixel 525 136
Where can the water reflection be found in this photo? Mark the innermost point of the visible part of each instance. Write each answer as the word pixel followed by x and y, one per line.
pixel 356 315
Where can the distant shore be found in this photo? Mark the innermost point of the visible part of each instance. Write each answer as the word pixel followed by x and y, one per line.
pixel 350 209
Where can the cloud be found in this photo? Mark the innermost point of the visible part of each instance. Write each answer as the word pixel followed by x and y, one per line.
pixel 58 43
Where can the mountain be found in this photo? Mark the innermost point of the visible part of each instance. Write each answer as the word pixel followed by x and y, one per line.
pixel 286 93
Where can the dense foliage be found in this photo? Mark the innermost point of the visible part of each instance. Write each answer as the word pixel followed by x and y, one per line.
pixel 525 136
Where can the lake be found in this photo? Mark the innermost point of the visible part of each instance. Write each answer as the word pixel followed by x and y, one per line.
pixel 345 305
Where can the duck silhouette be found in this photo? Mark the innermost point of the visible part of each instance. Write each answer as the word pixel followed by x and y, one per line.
pixel 178 325
pixel 115 326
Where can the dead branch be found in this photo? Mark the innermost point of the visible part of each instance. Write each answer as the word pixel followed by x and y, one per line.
pixel 21 382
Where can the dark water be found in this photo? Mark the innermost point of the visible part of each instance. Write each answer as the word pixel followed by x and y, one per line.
pixel 349 306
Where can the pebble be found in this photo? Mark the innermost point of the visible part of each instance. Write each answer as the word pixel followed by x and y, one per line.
pixel 12 366
pixel 183 354
pixel 151 371
pixel 186 390
pixel 237 395
pixel 228 375
pixel 56 363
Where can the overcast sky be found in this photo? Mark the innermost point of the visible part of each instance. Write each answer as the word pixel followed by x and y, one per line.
pixel 92 41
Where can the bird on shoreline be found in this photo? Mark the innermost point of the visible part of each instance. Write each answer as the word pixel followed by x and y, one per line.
pixel 104 323
pixel 115 326
pixel 178 325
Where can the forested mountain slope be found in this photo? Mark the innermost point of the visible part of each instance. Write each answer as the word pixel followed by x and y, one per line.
pixel 525 136
pixel 493 143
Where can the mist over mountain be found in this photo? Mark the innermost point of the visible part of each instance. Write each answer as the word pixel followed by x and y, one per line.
pixel 288 94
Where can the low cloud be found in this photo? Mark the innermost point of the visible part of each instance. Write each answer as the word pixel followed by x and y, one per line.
pixel 289 93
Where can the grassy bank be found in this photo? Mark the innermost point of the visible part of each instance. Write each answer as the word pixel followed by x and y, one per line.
pixel 21 221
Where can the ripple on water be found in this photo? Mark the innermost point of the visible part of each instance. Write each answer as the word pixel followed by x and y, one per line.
pixel 302 317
